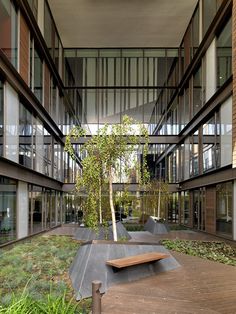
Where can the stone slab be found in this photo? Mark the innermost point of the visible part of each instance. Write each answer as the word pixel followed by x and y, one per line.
pixel 155 227
pixel 87 234
pixel 90 264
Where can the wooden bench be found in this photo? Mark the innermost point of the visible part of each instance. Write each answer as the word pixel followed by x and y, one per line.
pixel 136 259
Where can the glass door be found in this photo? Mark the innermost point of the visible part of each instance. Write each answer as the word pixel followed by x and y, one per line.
pixel 199 209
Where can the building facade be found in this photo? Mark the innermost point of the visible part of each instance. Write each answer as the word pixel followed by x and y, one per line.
pixel 184 95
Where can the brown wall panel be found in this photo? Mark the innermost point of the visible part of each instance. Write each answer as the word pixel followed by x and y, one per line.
pixel 234 81
pixel 24 50
pixel 211 210
pixel 46 87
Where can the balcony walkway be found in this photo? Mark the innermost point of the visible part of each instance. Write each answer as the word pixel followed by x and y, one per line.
pixel 199 286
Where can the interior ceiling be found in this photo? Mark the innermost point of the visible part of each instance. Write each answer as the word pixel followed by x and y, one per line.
pixel 122 23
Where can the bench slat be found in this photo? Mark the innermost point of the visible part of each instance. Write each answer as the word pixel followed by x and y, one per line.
pixel 136 259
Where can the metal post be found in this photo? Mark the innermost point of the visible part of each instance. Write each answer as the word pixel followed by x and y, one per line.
pixel 96 297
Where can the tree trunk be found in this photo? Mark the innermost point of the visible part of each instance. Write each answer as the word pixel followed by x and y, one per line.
pixel 113 216
pixel 159 204
pixel 100 201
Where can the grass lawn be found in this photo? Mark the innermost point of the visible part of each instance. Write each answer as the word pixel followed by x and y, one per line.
pixel 39 267
pixel 215 251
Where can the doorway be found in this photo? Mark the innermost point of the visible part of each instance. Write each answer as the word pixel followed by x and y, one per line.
pixel 199 211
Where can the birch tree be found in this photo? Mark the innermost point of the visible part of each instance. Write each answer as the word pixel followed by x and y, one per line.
pixel 111 150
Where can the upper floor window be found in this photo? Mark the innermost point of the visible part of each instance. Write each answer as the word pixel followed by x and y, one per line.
pixel 36 72
pixel 9 30
pixel 34 7
pixel 224 54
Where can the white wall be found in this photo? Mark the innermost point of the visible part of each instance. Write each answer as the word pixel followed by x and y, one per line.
pixel 11 123
pixel 22 209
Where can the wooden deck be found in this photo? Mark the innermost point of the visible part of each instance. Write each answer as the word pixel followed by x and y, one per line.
pixel 199 286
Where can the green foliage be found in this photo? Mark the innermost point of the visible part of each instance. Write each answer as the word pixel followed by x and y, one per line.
pixel 156 198
pixel 133 227
pixel 177 227
pixel 40 268
pixel 215 251
pixel 28 305
pixel 107 154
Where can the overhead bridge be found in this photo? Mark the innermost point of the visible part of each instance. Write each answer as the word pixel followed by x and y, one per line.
pixel 153 139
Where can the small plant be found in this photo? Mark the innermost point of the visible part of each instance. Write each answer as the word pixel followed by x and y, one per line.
pixel 133 227
pixel 215 251
pixel 48 290
pixel 27 305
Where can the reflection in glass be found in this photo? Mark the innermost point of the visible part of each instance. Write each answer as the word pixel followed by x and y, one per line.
pixel 9 30
pixel 7 210
pixel 209 145
pixel 224 206
pixel 226 132
pixel 25 133
pixel 197 91
pixel 35 209
pixel 38 76
pixel 224 54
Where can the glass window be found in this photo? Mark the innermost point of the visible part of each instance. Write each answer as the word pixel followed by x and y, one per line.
pixel 36 72
pixel 34 7
pixel 195 32
pixel 35 209
pixel 224 54
pixel 226 132
pixel 209 141
pixel 25 133
pixel 197 91
pixel 186 208
pixel 38 76
pixel 7 210
pixel 9 30
pixel 209 11
pixel 11 120
pixel 194 151
pixel 224 205
pixel 48 27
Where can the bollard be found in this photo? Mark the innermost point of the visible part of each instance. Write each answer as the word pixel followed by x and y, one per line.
pixel 96 297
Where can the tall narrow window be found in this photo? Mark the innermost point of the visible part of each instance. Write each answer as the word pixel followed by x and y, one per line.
pixel 224 54
pixel 38 76
pixel 197 91
pixel 25 133
pixel 7 210
pixel 9 30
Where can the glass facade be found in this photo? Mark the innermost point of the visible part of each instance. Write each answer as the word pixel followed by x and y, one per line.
pixel 99 87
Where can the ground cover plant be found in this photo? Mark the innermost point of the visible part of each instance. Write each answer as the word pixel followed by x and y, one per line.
pixel 35 274
pixel 215 251
pixel 133 226
pixel 176 227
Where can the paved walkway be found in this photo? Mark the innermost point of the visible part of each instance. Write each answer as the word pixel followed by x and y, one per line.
pixel 199 286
